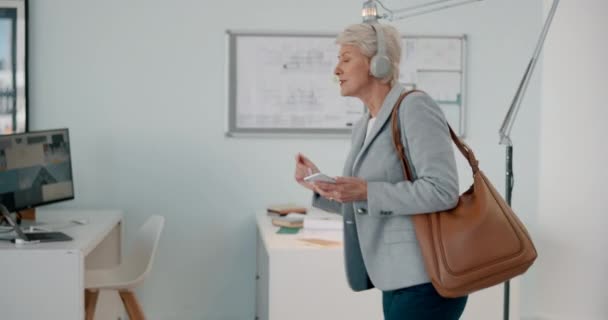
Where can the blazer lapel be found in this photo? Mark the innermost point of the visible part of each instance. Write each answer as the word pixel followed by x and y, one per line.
pixel 381 118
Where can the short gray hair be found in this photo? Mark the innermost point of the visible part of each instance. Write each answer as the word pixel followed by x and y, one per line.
pixel 364 37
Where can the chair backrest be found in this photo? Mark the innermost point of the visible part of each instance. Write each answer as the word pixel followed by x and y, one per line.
pixel 138 262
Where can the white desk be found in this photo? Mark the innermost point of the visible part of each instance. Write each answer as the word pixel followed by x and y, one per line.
pixel 300 281
pixel 46 280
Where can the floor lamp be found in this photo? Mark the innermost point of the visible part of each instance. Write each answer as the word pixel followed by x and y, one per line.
pixel 370 15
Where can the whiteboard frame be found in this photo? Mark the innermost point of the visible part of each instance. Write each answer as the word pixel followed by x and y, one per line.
pixel 231 87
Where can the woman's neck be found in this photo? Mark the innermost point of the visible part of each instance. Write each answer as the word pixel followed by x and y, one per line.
pixel 375 96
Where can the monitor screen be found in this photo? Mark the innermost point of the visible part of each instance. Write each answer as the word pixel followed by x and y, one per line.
pixel 35 169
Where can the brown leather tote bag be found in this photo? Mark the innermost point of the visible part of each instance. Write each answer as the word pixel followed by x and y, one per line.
pixel 477 244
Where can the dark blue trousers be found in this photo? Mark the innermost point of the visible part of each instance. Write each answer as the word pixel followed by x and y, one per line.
pixel 421 302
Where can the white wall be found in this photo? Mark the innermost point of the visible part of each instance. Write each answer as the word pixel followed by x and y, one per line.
pixel 141 86
pixel 572 269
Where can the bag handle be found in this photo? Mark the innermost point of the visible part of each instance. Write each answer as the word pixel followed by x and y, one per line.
pixel 463 147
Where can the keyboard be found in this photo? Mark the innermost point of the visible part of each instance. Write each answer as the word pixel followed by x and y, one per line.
pixel 47 236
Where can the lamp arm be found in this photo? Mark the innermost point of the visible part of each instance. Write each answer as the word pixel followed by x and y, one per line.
pixel 507 124
pixel 425 8
pixel 418 6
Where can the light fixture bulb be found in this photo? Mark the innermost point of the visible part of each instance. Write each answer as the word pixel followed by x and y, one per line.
pixel 369 12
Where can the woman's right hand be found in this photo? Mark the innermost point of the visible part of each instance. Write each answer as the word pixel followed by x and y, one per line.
pixel 304 167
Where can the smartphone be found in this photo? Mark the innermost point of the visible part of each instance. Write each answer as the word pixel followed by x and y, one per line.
pixel 319 177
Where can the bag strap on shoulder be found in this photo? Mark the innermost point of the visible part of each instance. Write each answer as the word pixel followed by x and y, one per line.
pixel 463 147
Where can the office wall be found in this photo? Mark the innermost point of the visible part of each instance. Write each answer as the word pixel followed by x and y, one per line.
pixel 572 270
pixel 141 85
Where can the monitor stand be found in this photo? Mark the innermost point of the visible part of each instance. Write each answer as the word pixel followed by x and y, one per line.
pixel 35 237
pixel 26 219
pixel 26 214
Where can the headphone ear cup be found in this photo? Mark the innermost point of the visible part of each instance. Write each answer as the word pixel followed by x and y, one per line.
pixel 380 66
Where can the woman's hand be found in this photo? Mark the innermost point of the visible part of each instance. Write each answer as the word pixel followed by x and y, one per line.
pixel 304 167
pixel 346 189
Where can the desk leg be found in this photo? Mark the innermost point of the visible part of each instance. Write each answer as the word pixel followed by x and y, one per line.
pixel 262 281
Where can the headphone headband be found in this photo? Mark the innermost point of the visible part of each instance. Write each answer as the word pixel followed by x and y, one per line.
pixel 380 47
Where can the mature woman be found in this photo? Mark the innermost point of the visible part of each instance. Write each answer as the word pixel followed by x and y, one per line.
pixel 373 196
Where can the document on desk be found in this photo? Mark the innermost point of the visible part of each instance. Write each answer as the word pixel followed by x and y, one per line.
pixel 321 229
pixel 324 238
pixel 333 235
pixel 321 220
pixel 322 243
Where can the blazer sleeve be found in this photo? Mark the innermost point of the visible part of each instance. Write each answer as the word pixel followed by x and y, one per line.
pixel 429 149
pixel 323 203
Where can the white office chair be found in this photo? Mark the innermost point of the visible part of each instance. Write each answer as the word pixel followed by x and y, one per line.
pixel 130 273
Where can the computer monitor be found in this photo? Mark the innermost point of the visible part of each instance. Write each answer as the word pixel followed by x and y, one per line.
pixel 35 169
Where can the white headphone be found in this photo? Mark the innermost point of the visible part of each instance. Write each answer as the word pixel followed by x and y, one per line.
pixel 380 65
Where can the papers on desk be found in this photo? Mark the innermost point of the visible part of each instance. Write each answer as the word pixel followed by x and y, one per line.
pixel 315 220
pixel 292 220
pixel 322 229
pixel 323 223
pixel 331 235
pixel 323 238
pixel 322 242
pixel 317 228
pixel 283 209
pixel 322 220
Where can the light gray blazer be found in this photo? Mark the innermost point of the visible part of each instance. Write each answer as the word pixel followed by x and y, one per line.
pixel 379 239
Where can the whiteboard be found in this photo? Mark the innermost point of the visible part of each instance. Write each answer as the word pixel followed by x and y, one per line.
pixel 283 83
